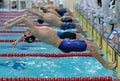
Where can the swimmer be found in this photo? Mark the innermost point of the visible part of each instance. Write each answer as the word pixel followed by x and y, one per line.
pixel 29 38
pixel 49 4
pixel 59 9
pixel 55 21
pixel 49 36
pixel 63 18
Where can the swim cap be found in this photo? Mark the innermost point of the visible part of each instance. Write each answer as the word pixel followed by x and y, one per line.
pixel 30 39
pixel 66 19
pixel 40 21
pixel 44 10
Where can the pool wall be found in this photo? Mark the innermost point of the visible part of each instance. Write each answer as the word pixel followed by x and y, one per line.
pixel 111 53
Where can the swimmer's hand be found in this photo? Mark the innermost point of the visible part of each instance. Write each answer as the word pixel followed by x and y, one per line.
pixel 35 5
pixel 26 10
pixel 14 43
pixel 6 26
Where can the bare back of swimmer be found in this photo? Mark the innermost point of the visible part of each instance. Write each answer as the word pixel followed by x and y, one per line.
pixel 56 21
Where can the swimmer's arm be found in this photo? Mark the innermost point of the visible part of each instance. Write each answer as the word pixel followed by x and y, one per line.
pixel 18 40
pixel 35 5
pixel 56 7
pixel 48 1
pixel 12 20
pixel 78 26
pixel 36 12
pixel 54 12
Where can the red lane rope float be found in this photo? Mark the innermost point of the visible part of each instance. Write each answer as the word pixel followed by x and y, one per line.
pixel 23 25
pixel 11 31
pixel 60 79
pixel 15 40
pixel 47 55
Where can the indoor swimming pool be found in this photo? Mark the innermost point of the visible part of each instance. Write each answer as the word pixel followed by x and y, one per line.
pixel 12 67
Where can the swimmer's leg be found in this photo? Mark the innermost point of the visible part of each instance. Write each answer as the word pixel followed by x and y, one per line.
pixel 78 36
pixel 74 20
pixel 95 53
pixel 36 12
pixel 70 12
pixel 80 29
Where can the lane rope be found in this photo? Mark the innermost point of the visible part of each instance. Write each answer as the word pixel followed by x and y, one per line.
pixel 15 40
pixel 84 54
pixel 108 78
pixel 23 25
pixel 20 31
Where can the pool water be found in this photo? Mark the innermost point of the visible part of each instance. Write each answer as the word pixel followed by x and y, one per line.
pixel 52 67
pixel 45 66
pixel 24 47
